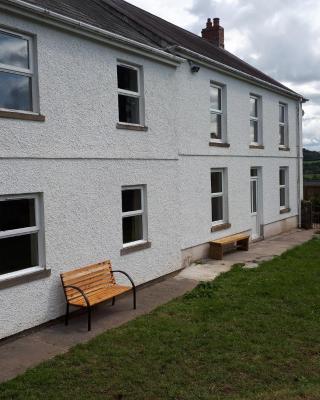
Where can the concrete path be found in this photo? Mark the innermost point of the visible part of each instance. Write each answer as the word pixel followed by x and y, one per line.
pixel 21 353
pixel 263 250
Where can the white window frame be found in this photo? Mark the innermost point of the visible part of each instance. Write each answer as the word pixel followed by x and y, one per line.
pixel 37 229
pixel 257 119
pixel 218 112
pixel 285 186
pixel 30 72
pixel 222 194
pixel 136 95
pixel 142 211
pixel 284 124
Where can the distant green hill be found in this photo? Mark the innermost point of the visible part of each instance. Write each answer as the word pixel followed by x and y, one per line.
pixel 311 165
pixel 309 155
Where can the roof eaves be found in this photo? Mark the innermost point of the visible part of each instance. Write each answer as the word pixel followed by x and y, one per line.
pixel 113 39
pixel 211 63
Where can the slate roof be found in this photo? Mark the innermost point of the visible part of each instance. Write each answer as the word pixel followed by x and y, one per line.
pixel 120 17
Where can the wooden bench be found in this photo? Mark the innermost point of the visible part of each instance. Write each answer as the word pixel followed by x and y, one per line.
pixel 216 246
pixel 91 285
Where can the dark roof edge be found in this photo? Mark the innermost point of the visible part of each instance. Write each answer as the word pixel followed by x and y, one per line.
pixel 115 40
pixel 210 63
pixel 169 56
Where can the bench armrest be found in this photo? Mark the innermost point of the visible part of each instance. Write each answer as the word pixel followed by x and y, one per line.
pixel 79 290
pixel 127 275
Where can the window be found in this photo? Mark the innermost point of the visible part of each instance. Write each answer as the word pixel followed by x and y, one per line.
pixel 21 233
pixel 284 189
pixel 283 125
pixel 129 94
pixel 255 123
pixel 216 114
pixel 17 79
pixel 134 224
pixel 218 196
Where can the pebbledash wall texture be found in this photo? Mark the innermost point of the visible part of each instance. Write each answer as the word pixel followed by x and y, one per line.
pixel 79 161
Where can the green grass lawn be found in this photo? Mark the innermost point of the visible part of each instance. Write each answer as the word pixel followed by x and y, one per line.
pixel 250 334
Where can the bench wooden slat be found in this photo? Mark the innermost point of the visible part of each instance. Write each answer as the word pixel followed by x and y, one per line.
pixel 87 280
pixel 74 294
pixel 90 269
pixel 231 239
pixel 100 296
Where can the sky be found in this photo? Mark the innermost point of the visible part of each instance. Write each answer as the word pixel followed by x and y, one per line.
pixel 280 37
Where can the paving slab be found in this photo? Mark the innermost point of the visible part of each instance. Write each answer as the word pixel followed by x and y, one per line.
pixel 25 351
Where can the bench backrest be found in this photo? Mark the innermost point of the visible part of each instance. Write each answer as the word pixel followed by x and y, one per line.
pixel 89 279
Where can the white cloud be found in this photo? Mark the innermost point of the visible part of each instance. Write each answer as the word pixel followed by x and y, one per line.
pixel 177 11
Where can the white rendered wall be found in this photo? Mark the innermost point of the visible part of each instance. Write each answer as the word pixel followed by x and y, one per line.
pixel 197 158
pixel 79 161
pixel 78 96
pixel 82 207
pixel 196 201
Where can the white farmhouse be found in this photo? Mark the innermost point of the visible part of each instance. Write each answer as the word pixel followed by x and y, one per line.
pixel 125 137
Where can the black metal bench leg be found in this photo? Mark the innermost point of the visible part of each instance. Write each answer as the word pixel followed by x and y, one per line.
pixel 134 298
pixel 89 319
pixel 66 320
pixel 113 300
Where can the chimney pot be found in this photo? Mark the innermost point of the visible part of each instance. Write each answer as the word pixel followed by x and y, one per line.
pixel 214 33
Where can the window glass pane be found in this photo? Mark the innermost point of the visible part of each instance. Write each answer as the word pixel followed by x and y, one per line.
pixel 127 78
pixel 282 197
pixel 216 182
pixel 132 229
pixel 281 113
pixel 254 131
pixel 282 176
pixel 15 214
pixel 14 51
pixel 215 126
pixel 129 109
pixel 253 196
pixel 215 98
pixel 253 107
pixel 254 172
pixel 131 200
pixel 16 92
pixel 18 253
pixel 281 135
pixel 217 208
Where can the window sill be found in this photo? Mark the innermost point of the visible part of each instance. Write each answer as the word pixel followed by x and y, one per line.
pixel 132 127
pixel 22 116
pixel 219 144
pixel 285 210
pixel 134 248
pixel 220 227
pixel 284 148
pixel 24 276
pixel 256 146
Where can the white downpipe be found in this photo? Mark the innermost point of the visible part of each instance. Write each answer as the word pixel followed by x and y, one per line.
pixel 299 144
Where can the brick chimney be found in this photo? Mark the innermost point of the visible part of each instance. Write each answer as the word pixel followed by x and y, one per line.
pixel 214 33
